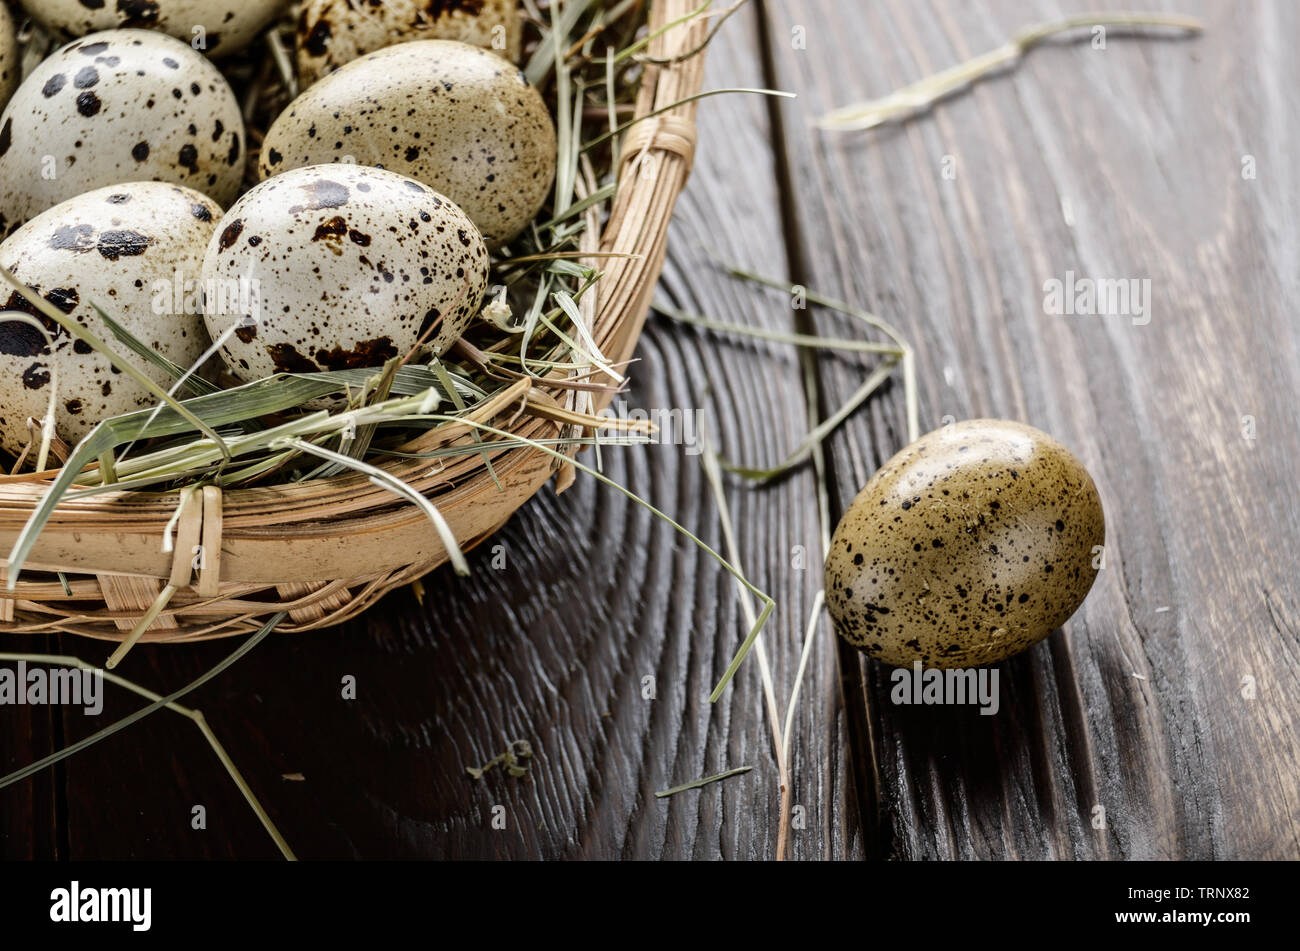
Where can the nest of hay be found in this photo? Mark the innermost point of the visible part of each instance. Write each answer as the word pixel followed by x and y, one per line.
pixel 200 559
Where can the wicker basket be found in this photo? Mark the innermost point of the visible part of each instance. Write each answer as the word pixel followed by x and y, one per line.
pixel 325 550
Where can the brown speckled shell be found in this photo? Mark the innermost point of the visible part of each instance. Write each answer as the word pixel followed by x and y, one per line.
pixel 334 32
pixel 129 248
pixel 228 25
pixel 118 106
pixel 11 66
pixel 970 545
pixel 352 265
pixel 458 118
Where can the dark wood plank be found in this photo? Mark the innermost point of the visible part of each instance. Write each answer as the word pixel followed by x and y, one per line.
pixel 552 648
pixel 1144 142
pixel 1137 706
pixel 31 811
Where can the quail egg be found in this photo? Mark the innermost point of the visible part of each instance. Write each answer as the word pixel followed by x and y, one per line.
pixel 123 105
pixel 453 116
pixel 136 251
pixel 11 65
pixel 349 266
pixel 970 545
pixel 334 32
pixel 216 27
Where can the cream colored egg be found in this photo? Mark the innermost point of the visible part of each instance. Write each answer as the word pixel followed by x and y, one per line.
pixel 334 32
pixel 453 116
pixel 123 105
pixel 11 65
pixel 970 545
pixel 347 266
pixel 130 248
pixel 216 27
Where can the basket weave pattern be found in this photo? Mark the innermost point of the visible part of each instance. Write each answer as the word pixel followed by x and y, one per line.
pixel 327 549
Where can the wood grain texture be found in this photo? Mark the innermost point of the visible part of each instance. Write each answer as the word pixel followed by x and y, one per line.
pixel 1117 163
pixel 570 608
pixel 31 813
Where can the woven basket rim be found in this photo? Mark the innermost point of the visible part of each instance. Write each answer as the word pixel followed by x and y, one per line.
pixel 129 522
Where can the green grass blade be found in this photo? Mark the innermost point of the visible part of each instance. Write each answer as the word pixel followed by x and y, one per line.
pixel 195 384
pixel 681 102
pixel 697 783
pixel 395 485
pixel 85 336
pixel 768 604
pixel 544 60
pixel 229 406
pixel 77 747
pixel 460 407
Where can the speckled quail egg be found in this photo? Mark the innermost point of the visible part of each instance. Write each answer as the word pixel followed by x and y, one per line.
pixel 136 250
pixel 334 32
pixel 11 64
pixel 458 118
pixel 216 27
pixel 970 545
pixel 350 266
pixel 122 105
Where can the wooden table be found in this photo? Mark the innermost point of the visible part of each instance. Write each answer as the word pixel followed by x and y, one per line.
pixel 1171 700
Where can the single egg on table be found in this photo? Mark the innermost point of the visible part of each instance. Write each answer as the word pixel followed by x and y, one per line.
pixel 118 106
pixel 349 267
pixel 132 249
pixel 970 545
